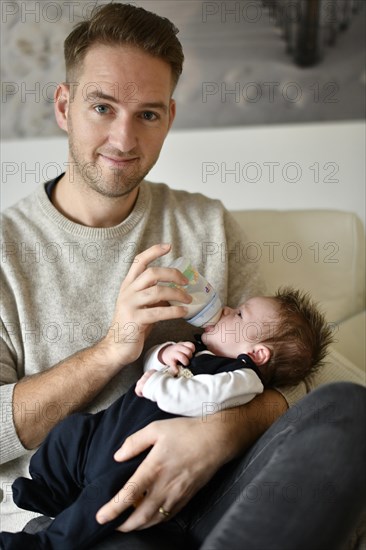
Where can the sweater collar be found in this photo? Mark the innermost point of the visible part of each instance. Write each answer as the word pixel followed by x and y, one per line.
pixel 143 202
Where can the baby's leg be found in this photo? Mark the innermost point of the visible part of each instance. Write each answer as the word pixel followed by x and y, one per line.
pixel 57 467
pixel 76 527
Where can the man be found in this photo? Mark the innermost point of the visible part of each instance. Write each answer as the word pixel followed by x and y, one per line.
pixel 74 323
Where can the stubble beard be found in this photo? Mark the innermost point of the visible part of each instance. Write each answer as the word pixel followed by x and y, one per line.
pixel 106 181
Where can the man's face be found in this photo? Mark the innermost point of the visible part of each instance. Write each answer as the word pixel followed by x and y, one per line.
pixel 239 330
pixel 118 117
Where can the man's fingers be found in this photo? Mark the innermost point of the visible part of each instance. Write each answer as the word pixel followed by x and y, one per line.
pixel 152 275
pixel 158 293
pixel 147 514
pixel 142 260
pixel 151 315
pixel 155 508
pixel 171 473
pixel 136 443
pixel 130 495
pixel 134 491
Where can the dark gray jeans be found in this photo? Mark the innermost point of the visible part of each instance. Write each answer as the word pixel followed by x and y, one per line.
pixel 302 485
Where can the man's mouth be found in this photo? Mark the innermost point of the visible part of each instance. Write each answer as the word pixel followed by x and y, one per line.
pixel 118 162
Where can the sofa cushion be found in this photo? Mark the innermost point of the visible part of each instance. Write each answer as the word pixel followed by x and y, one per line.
pixel 320 251
pixel 350 339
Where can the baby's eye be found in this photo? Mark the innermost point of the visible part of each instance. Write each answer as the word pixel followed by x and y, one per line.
pixel 239 314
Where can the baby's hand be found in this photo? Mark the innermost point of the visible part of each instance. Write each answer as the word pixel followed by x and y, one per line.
pixel 174 354
pixel 141 382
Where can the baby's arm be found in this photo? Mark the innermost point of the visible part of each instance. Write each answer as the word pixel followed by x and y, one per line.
pixel 180 353
pixel 169 355
pixel 165 358
pixel 151 359
pixel 202 393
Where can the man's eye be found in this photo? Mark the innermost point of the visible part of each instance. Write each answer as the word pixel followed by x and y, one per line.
pixel 101 109
pixel 149 115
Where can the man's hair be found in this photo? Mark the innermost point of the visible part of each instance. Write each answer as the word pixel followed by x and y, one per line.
pixel 298 341
pixel 124 24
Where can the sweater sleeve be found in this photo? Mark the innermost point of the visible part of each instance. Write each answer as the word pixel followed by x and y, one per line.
pixel 10 447
pixel 202 394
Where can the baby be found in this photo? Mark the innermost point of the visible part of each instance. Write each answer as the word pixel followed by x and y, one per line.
pixel 267 341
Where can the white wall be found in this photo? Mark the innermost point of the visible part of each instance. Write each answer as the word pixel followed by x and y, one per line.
pixel 274 167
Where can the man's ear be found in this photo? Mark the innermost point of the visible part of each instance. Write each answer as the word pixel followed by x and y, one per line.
pixel 260 355
pixel 62 104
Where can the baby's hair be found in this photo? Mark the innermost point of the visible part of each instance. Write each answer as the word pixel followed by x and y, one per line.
pixel 298 341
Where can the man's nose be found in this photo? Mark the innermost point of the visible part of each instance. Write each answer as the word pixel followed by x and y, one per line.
pixel 123 134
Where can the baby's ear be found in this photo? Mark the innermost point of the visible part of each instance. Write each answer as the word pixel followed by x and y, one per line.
pixel 261 354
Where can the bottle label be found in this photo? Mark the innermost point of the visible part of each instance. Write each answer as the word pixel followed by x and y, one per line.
pixel 205 302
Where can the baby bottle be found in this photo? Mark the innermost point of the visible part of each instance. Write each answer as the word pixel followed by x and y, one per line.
pixel 205 308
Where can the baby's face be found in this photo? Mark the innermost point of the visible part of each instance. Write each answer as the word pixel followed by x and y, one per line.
pixel 238 330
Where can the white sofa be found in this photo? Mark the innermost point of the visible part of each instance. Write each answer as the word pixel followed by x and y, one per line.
pixel 323 252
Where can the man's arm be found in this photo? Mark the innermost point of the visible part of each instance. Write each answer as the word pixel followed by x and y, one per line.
pixel 73 383
pixel 42 400
pixel 185 454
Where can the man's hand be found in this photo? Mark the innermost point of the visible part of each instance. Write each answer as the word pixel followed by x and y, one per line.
pixel 185 454
pixel 73 383
pixel 141 302
pixel 174 470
